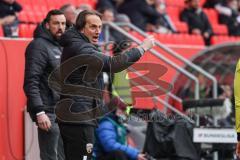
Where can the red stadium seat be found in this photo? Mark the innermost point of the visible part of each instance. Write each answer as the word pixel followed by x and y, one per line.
pixel 31 17
pixel 174 12
pixel 27 7
pixel 26 30
pixel 178 3
pixel 23 30
pixel 32 27
pixel 180 39
pixel 1 32
pixel 24 2
pixel 220 29
pixel 224 39
pixel 181 27
pixel 23 17
pixel 201 3
pixel 52 4
pixel 212 15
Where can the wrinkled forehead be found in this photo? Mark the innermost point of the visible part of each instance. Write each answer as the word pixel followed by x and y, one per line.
pixel 57 18
pixel 93 20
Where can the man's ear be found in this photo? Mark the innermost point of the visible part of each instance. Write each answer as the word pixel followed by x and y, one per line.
pixel 82 31
pixel 47 26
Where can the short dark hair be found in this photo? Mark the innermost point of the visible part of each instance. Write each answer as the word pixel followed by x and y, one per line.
pixel 52 13
pixel 81 19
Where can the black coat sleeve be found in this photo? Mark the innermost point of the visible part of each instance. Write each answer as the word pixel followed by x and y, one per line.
pixel 207 25
pixel 35 63
pixel 116 63
pixel 149 11
pixel 184 16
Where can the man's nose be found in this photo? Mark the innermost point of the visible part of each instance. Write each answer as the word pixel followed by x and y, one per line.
pixel 98 30
pixel 62 27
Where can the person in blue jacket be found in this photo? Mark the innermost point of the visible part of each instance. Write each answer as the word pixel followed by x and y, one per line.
pixel 111 136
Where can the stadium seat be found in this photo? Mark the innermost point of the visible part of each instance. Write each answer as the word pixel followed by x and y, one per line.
pixel 220 29
pixel 31 17
pixel 1 31
pixel 26 30
pixel 51 4
pixel 32 27
pixel 23 17
pixel 177 3
pixel 39 16
pixel 212 15
pixel 23 30
pixel 180 39
pixel 174 12
pixel 181 27
pixel 24 2
pixel 224 39
pixel 201 2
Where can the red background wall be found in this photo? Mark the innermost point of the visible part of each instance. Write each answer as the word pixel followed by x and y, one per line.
pixel 12 99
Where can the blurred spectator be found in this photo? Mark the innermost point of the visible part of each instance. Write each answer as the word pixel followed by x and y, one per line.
pixel 111 136
pixel 197 20
pixel 212 3
pixel 227 92
pixel 141 13
pixel 107 16
pixel 8 13
pixel 123 18
pixel 70 13
pixel 205 89
pixel 82 7
pixel 7 20
pixel 113 4
pixel 164 23
pixel 121 41
pixel 230 17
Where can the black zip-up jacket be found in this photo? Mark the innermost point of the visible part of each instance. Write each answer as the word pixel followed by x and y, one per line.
pixel 90 96
pixel 42 56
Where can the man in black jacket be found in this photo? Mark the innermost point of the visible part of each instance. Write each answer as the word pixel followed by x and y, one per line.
pixel 42 56
pixel 9 9
pixel 140 12
pixel 197 20
pixel 82 64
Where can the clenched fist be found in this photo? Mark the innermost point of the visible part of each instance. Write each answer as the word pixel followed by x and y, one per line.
pixel 148 43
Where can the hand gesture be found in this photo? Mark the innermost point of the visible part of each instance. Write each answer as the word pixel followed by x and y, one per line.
pixel 238 150
pixel 148 43
pixel 141 156
pixel 43 122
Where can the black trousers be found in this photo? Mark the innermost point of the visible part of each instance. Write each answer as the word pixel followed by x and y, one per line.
pixel 76 138
pixel 114 155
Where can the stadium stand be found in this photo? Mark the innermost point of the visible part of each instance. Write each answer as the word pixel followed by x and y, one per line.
pixel 34 12
pixel 224 38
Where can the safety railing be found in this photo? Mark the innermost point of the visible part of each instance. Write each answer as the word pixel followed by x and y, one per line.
pixel 178 56
pixel 168 61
